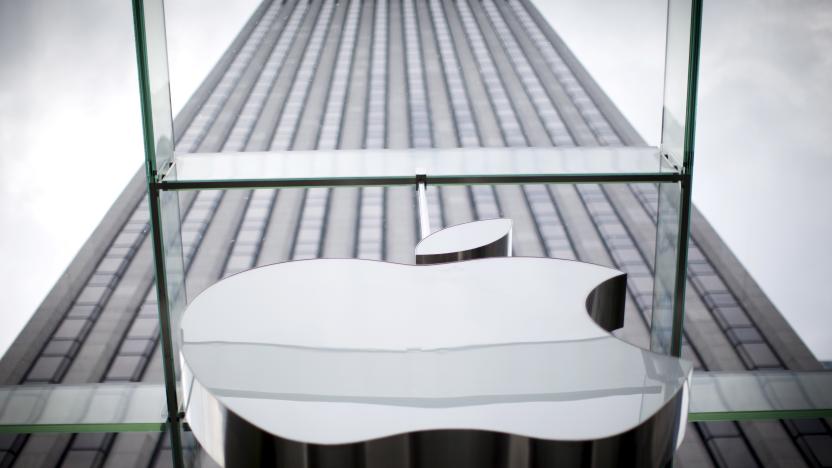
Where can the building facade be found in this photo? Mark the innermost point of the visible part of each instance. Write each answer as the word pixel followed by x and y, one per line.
pixel 316 74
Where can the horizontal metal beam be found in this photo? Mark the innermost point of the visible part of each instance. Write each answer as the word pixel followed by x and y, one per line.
pixel 229 184
pixel 79 428
pixel 759 415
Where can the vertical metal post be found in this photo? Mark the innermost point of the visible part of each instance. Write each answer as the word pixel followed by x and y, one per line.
pixel 422 195
pixel 687 180
pixel 168 365
pixel 168 354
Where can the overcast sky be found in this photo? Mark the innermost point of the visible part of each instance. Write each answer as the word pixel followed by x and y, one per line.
pixel 70 135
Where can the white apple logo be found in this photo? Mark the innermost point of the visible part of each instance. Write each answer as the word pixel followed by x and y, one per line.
pixel 454 363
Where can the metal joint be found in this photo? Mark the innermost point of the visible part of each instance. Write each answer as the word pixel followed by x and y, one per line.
pixel 422 197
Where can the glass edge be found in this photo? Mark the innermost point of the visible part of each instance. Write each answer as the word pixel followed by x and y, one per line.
pixel 79 428
pixel 398 181
pixel 695 416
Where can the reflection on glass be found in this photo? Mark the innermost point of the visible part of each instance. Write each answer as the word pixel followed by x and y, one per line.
pixel 174 265
pixel 339 167
pixel 82 408
pixel 664 281
pixel 760 395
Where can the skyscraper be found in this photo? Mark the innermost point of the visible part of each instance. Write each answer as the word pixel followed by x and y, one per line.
pixel 306 75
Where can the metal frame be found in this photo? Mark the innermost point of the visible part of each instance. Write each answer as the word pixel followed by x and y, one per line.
pixel 174 420
pixel 156 183
pixel 686 179
pixel 666 177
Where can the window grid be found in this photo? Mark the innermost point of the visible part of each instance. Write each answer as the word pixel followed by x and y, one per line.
pixel 246 245
pixel 483 197
pixel 420 129
pixel 331 127
pixel 545 108
pixel 463 117
pixel 293 108
pixel 512 132
pixel 63 346
pixel 244 125
pixel 309 232
pixel 593 117
pixel 219 95
pixel 142 337
pixel 370 235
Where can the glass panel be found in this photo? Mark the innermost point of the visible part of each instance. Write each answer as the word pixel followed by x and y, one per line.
pixel 151 48
pixel 264 226
pixel 325 75
pixel 442 166
pixel 760 395
pixel 171 225
pixel 82 408
pixel 228 231
pixel 665 273
pixel 677 60
pixel 759 258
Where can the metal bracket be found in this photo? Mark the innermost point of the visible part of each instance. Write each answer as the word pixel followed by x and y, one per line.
pixel 671 161
pixel 166 170
pixel 422 197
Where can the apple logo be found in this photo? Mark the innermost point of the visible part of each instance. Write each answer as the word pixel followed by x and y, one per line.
pixel 471 358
